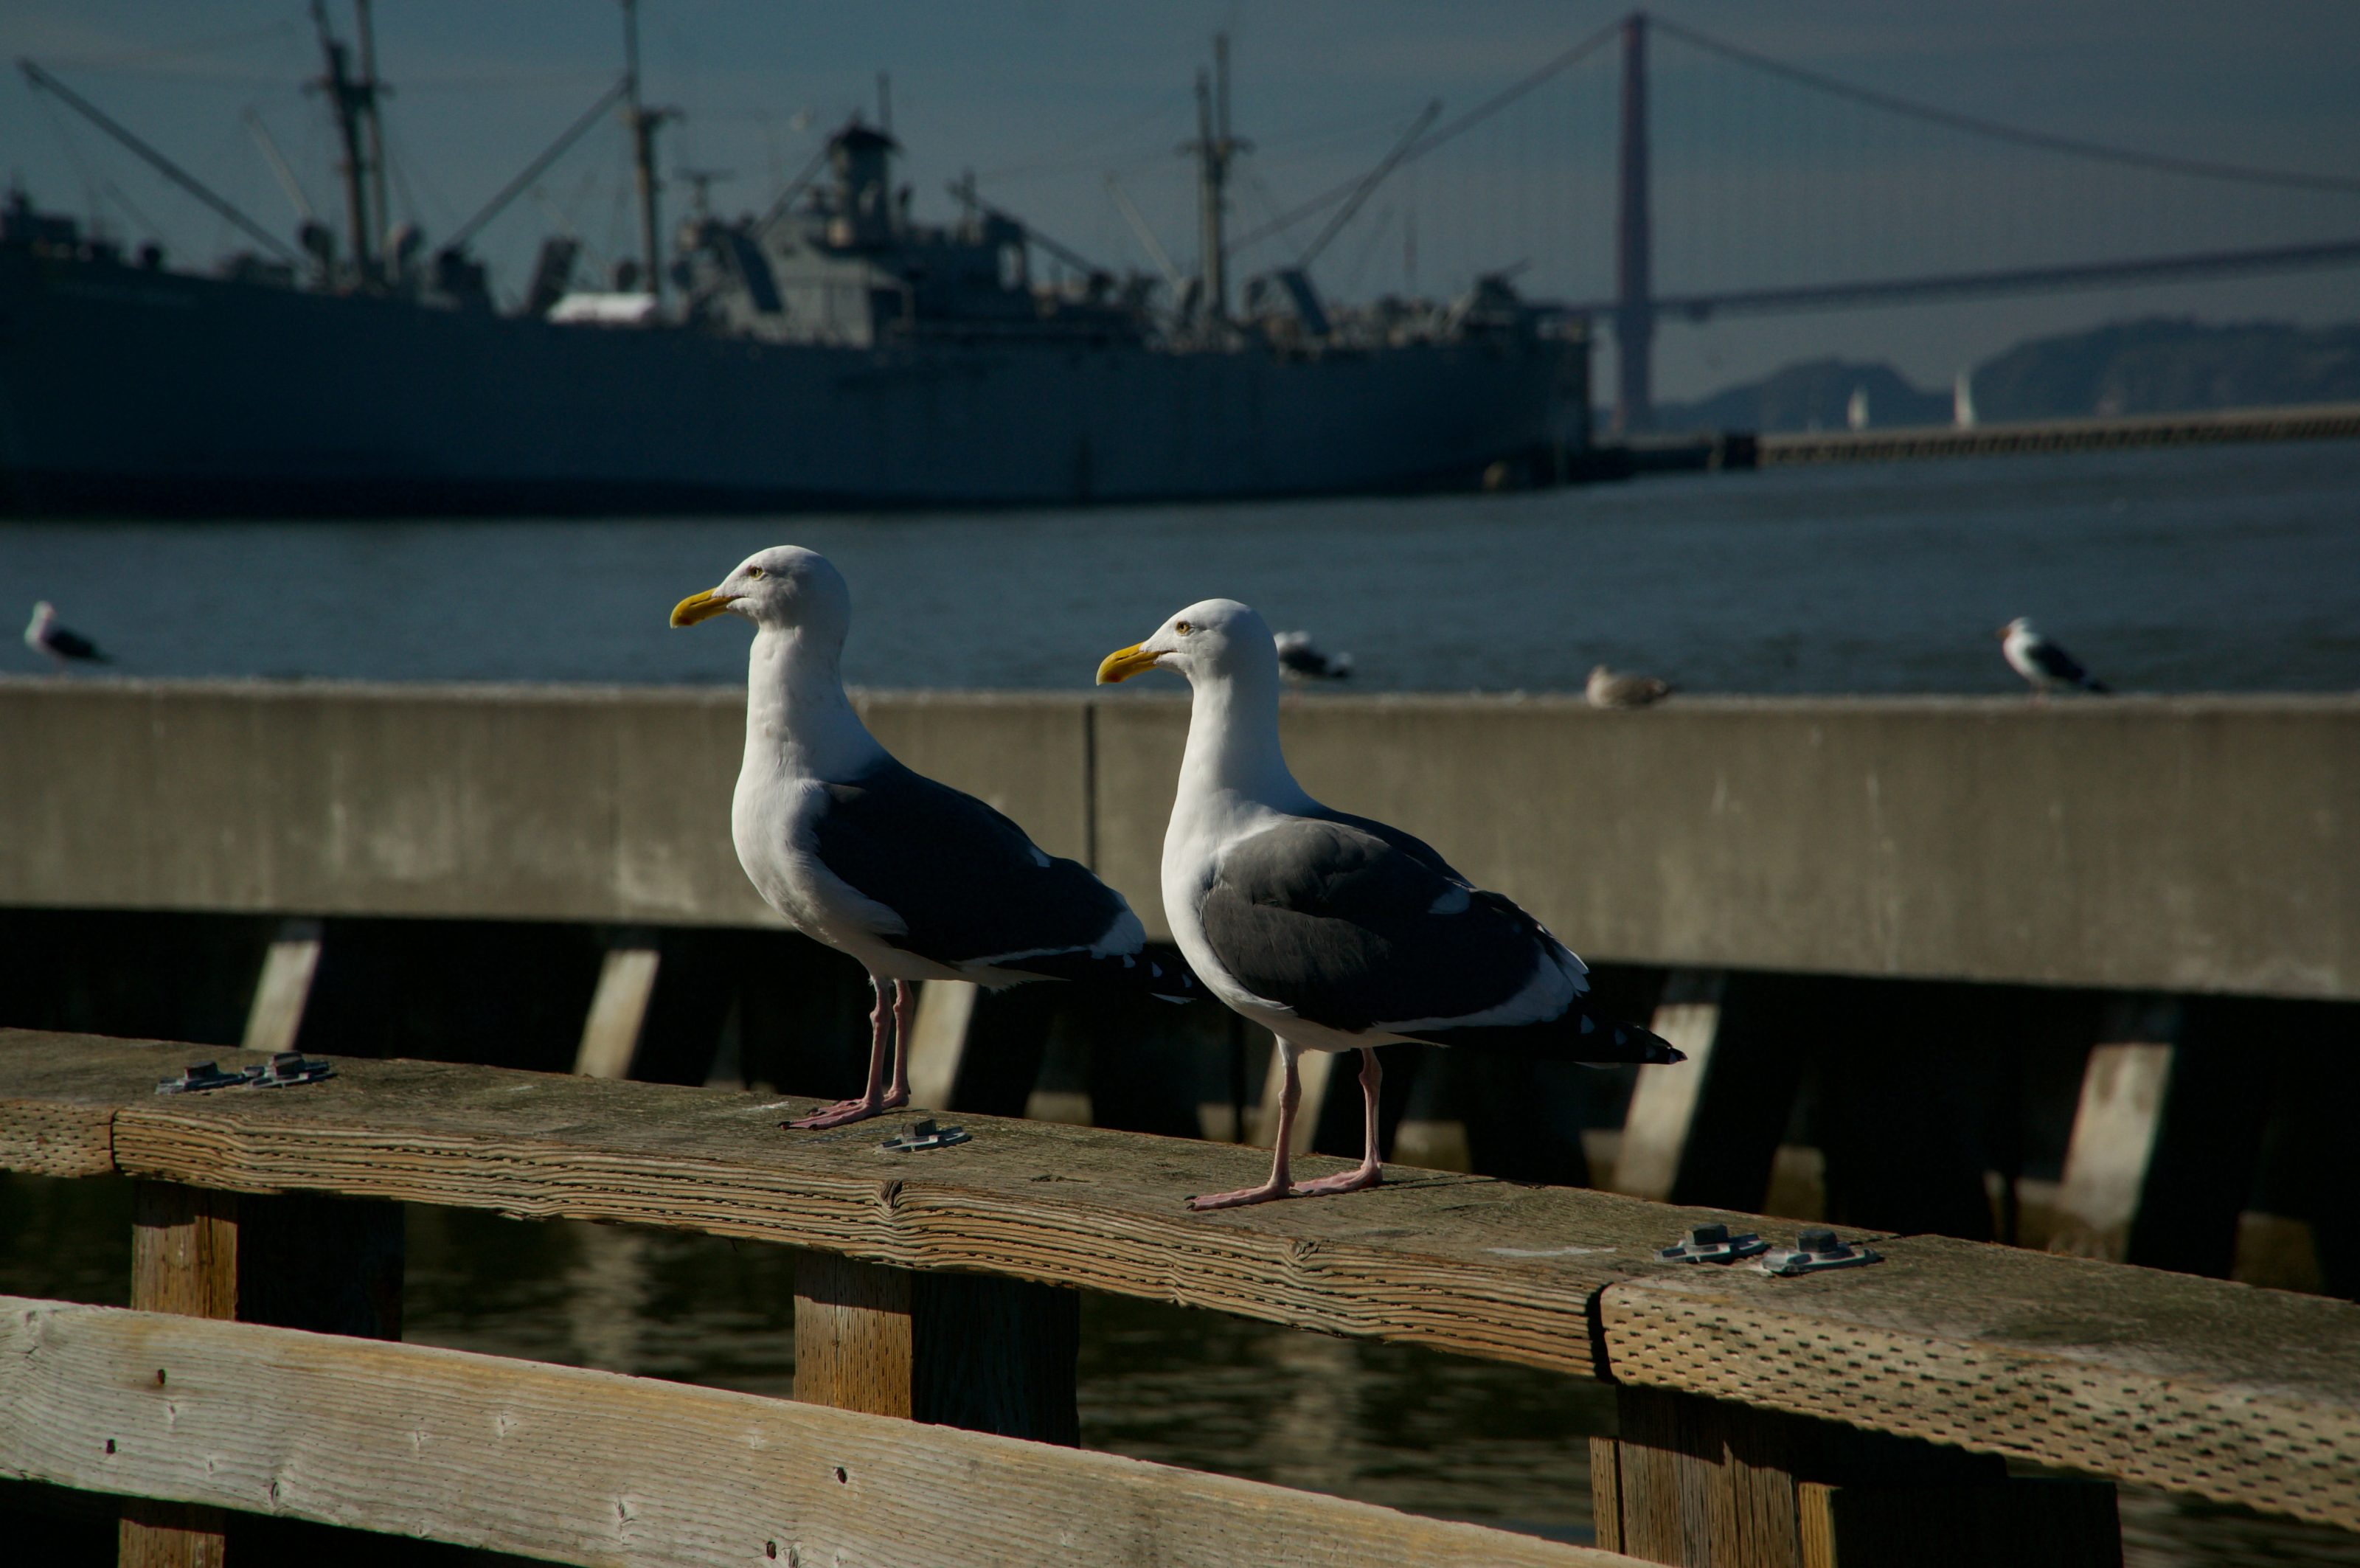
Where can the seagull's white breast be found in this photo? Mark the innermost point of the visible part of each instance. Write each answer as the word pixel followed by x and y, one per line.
pixel 770 821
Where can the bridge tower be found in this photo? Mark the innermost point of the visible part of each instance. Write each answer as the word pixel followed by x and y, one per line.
pixel 1635 309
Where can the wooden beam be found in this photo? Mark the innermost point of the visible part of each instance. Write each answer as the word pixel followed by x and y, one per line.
pixel 276 1017
pixel 2135 1374
pixel 938 1036
pixel 2023 1523
pixel 566 1464
pixel 963 1350
pixel 1711 1484
pixel 2114 1128
pixel 1707 1130
pixel 611 1034
pixel 183 1260
pixel 852 1335
pixel 2048 1359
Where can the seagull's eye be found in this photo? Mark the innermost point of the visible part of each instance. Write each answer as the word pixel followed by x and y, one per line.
pixel 753 571
pixel 1184 629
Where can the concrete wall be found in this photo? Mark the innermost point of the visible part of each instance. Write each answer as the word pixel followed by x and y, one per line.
pixel 2181 844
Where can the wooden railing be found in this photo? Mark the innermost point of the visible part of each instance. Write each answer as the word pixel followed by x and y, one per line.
pixel 1850 1416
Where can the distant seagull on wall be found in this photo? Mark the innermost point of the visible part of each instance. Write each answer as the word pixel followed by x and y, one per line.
pixel 1299 661
pixel 1620 688
pixel 2043 664
pixel 44 635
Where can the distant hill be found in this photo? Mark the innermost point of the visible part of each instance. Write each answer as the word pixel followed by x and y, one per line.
pixel 2155 366
pixel 2161 365
pixel 1813 395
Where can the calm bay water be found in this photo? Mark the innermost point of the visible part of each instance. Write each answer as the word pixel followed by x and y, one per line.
pixel 2213 568
pixel 2223 569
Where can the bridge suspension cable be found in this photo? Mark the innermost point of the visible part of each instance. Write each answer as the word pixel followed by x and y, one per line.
pixel 2047 141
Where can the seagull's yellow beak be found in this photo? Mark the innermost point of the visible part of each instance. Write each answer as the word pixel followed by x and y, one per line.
pixel 1125 662
pixel 701 607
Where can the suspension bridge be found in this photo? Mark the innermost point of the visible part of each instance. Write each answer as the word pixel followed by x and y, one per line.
pixel 1738 184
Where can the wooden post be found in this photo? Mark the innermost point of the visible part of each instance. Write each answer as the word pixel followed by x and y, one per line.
pixel 183 1260
pixel 329 1264
pixel 937 1043
pixel 2114 1129
pixel 1716 1485
pixel 276 1017
pixel 611 1034
pixel 1707 1130
pixel 961 1350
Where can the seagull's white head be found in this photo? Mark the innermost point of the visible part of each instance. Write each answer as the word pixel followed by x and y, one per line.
pixel 786 588
pixel 1213 638
pixel 44 612
pixel 2021 625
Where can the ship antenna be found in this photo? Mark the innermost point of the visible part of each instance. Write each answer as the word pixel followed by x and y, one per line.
pixel 644 123
pixel 1213 147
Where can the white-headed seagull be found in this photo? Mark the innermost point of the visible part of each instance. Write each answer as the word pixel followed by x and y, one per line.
pixel 910 877
pixel 43 635
pixel 1333 931
pixel 2044 665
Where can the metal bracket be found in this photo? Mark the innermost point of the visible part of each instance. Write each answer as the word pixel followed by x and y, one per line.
pixel 1712 1244
pixel 285 1069
pixel 201 1077
pixel 1815 1250
pixel 924 1135
pixel 291 1068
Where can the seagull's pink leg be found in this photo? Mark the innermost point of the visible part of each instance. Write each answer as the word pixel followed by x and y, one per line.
pixel 1290 1096
pixel 905 1012
pixel 1371 1170
pixel 873 1101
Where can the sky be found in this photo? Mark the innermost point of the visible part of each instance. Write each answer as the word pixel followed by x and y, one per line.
pixel 1755 181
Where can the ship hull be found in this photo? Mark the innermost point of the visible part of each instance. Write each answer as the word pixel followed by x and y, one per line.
pixel 124 391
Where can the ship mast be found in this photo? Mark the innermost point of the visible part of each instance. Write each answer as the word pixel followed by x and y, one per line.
pixel 1214 147
pixel 353 101
pixel 372 120
pixel 642 123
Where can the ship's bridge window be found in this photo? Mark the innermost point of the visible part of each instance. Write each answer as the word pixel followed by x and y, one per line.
pixel 1011 266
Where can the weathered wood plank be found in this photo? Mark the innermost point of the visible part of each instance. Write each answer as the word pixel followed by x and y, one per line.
pixel 2239 1394
pixel 593 1467
pixel 1456 1262
pixel 2049 1358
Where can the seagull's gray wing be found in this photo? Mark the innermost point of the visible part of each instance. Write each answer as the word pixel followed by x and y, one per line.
pixel 1360 928
pixel 2057 663
pixel 969 886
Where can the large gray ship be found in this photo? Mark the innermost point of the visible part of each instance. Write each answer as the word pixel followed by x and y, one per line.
pixel 833 352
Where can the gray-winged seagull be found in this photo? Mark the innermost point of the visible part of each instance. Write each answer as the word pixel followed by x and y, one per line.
pixel 911 878
pixel 2043 664
pixel 1333 931
pixel 44 635
pixel 1621 688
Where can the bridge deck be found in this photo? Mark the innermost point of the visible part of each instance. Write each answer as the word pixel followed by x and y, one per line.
pixel 2234 1393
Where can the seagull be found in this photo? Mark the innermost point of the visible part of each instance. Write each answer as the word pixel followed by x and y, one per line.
pixel 2042 663
pixel 912 878
pixel 1618 688
pixel 1333 931
pixel 1299 661
pixel 44 635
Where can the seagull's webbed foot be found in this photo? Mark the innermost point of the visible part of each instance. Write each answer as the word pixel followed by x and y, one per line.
pixel 1352 1181
pixel 845 1111
pixel 1269 1191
